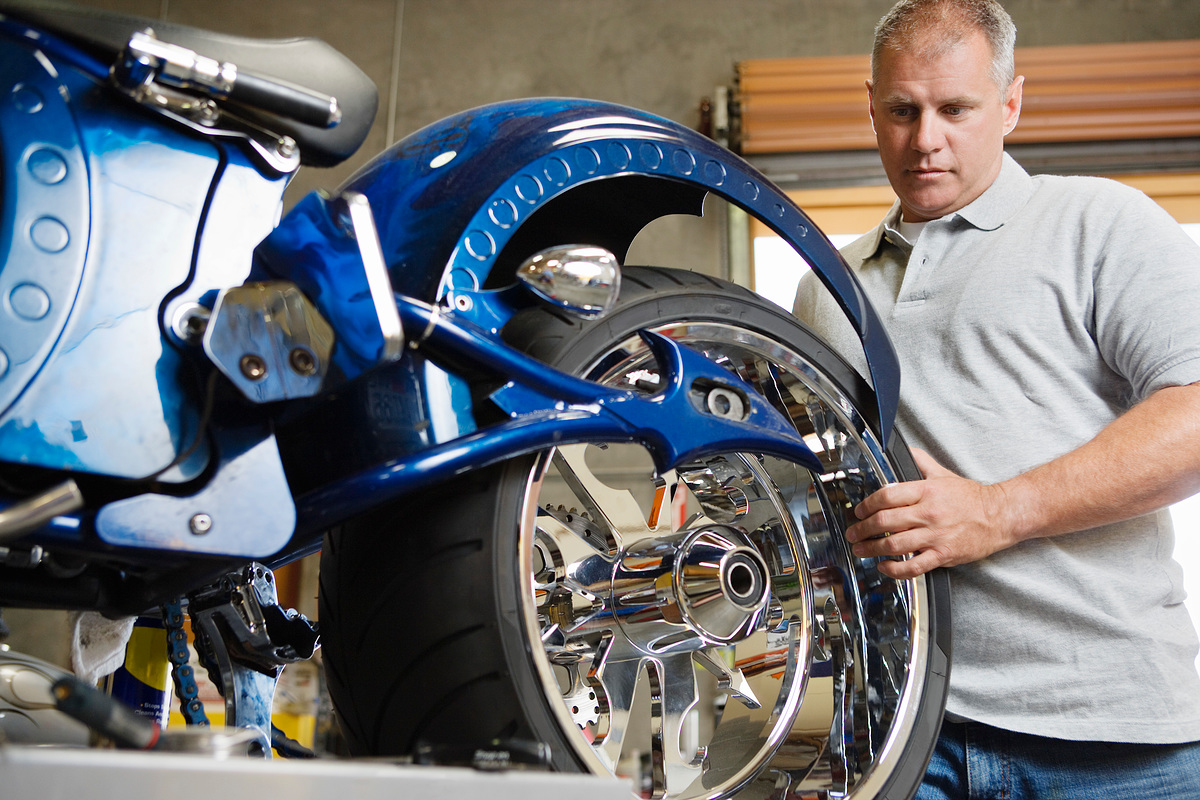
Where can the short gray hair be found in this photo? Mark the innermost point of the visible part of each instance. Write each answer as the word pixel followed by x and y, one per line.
pixel 906 26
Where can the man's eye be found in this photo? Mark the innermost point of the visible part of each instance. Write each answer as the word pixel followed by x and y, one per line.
pixel 902 112
pixel 955 111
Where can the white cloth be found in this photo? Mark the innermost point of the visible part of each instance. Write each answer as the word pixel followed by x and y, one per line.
pixel 98 644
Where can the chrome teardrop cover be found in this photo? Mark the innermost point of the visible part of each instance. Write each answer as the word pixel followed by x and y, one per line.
pixel 582 279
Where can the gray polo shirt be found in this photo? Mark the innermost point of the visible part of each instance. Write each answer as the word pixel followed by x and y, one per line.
pixel 1025 323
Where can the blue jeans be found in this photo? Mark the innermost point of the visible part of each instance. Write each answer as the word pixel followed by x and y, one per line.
pixel 978 762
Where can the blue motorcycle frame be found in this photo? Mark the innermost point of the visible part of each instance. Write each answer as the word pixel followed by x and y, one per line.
pixel 101 384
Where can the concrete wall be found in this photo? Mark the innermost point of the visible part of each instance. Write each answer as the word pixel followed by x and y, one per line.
pixel 431 58
pixel 435 57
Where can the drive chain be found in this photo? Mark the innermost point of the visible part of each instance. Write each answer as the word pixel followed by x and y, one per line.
pixel 182 673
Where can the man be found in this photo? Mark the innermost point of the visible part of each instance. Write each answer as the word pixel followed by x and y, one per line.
pixel 1049 337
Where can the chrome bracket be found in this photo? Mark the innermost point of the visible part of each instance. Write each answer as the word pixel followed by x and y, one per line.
pixel 361 226
pixel 270 341
pixel 163 76
pixel 148 58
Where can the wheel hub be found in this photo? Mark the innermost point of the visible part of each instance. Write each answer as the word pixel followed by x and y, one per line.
pixel 689 591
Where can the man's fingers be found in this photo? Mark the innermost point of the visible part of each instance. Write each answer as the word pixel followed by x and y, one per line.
pixel 890 519
pixel 887 546
pixel 911 567
pixel 927 463
pixel 896 495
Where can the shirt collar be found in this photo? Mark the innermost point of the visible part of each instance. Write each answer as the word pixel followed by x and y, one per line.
pixel 1007 194
pixel 881 230
pixel 889 230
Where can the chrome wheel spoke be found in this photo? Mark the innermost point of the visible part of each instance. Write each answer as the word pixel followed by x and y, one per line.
pixel 617 510
pixel 718 488
pixel 619 678
pixel 676 754
pixel 729 679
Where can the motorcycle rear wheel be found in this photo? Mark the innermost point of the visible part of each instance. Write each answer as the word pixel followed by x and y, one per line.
pixel 541 599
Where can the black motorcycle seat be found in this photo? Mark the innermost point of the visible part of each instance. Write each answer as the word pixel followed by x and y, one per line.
pixel 307 62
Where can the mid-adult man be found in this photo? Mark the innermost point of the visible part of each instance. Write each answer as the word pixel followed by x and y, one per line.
pixel 1049 341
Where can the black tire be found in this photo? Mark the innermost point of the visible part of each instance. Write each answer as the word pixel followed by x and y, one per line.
pixel 428 638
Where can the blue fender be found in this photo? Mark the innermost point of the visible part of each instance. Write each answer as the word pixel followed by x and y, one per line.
pixel 460 202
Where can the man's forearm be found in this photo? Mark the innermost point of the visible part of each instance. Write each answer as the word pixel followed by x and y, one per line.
pixel 1147 458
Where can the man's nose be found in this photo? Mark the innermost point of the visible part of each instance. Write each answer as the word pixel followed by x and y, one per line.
pixel 927 134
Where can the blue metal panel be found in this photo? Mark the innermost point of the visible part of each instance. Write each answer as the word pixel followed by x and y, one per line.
pixel 45 221
pixel 448 198
pixel 240 521
pixel 104 211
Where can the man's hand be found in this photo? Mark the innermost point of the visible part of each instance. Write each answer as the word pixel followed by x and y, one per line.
pixel 1146 459
pixel 944 520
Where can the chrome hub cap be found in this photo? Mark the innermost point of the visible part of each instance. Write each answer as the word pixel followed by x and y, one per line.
pixel 689 591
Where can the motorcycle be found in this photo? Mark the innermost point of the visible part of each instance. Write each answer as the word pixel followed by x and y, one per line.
pixel 559 500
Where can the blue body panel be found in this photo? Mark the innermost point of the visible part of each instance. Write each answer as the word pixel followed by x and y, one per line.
pixel 450 197
pixel 102 234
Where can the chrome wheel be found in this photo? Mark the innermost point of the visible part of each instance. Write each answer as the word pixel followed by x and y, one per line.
pixel 708 630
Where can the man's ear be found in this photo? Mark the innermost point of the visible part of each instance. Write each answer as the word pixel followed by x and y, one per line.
pixel 871 105
pixel 1012 104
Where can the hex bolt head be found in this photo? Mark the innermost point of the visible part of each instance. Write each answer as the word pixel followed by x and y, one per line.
pixel 190 322
pixel 194 327
pixel 253 367
pixel 207 113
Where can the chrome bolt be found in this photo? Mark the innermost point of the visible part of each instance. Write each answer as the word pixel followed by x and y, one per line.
pixel 253 367
pixel 286 146
pixel 302 362
pixel 190 322
pixel 200 524
pixel 462 302
pixel 207 113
